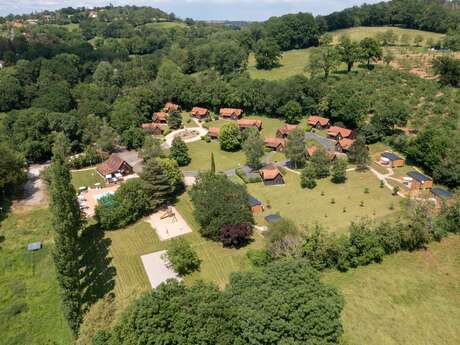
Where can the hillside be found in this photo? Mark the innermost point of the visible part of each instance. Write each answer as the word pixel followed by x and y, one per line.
pixel 293 62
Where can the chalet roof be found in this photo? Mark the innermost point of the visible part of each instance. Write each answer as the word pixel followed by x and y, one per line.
pixel 228 112
pixel 171 106
pixel 286 129
pixel 269 172
pixel 214 131
pixel 111 166
pixel 161 115
pixel 249 123
pixel 197 111
pixel 418 176
pixel 344 132
pixel 391 156
pixel 313 120
pixel 311 150
pixel 253 201
pixel 346 143
pixel 442 193
pixel 275 142
pixel 151 125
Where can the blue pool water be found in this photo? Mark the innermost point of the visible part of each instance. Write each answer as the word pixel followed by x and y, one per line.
pixel 99 197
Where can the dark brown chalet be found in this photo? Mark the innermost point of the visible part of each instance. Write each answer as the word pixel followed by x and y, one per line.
pixel 271 176
pixel 339 133
pixel 113 166
pixel 230 113
pixel 247 123
pixel 275 144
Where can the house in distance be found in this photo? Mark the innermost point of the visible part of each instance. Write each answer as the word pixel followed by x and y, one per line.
pixel 417 181
pixel 152 128
pixel 319 122
pixel 213 132
pixel 344 145
pixel 441 196
pixel 114 169
pixel 160 117
pixel 275 144
pixel 255 205
pixel 231 113
pixel 199 113
pixel 284 131
pixel 339 133
pixel 271 176
pixel 171 106
pixel 247 123
pixel 391 159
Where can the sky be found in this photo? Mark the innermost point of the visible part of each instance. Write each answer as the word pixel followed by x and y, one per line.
pixel 196 9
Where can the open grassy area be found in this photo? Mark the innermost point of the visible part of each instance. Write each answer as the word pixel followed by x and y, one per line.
pixel 360 32
pixel 305 206
pixel 30 311
pixel 166 25
pixel 200 152
pixel 127 245
pixel 269 124
pixel 87 177
pixel 411 298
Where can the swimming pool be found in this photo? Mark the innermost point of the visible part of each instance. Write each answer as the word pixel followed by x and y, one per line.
pixel 101 196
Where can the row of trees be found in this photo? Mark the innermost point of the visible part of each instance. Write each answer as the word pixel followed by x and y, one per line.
pixel 247 311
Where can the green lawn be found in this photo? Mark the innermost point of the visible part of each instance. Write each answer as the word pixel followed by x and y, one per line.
pixel 269 125
pixel 200 152
pixel 87 177
pixel 305 206
pixel 411 298
pixel 360 32
pixel 129 244
pixel 30 311
pixel 166 25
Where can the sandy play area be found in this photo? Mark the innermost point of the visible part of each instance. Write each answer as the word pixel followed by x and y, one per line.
pixel 170 226
pixel 157 268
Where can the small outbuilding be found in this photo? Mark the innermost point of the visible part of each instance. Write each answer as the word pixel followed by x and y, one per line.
pixel 319 122
pixel 213 132
pixel 284 131
pixel 256 205
pixel 248 123
pixel 114 168
pixel 160 117
pixel 200 113
pixel 418 181
pixel 275 144
pixel 273 218
pixel 441 196
pixel 31 247
pixel 231 113
pixel 339 133
pixel 391 159
pixel 271 176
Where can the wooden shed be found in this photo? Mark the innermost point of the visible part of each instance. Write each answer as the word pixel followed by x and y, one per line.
pixel 419 181
pixel 391 159
pixel 256 205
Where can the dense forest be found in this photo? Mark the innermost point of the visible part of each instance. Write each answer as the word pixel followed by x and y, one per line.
pixel 106 78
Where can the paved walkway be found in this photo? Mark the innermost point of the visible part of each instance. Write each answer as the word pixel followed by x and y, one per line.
pixel 170 137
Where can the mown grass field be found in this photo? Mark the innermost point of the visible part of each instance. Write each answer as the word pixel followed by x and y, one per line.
pixel 30 311
pixel 87 177
pixel 293 62
pixel 411 298
pixel 308 207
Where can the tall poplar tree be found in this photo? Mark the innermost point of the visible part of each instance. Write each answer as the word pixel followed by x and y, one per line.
pixel 66 223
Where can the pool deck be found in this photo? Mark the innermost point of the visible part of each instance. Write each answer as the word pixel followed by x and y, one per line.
pixel 89 199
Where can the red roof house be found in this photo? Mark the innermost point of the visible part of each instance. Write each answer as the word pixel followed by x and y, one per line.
pixel 231 113
pixel 200 113
pixel 171 106
pixel 160 117
pixel 276 144
pixel 344 145
pixel 114 165
pixel 152 128
pixel 339 133
pixel 311 150
pixel 213 132
pixel 271 175
pixel 319 122
pixel 284 131
pixel 247 123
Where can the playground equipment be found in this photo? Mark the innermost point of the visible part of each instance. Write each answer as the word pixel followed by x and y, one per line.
pixel 169 213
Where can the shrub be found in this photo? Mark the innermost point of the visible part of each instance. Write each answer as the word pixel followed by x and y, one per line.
pixel 258 257
pixel 308 177
pixel 87 158
pixel 284 239
pixel 251 179
pixel 179 152
pixel 182 257
pixel 235 235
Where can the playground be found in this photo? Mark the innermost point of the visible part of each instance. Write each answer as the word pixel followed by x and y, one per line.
pixel 168 223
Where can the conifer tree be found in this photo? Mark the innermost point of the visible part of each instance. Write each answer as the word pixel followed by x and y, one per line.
pixel 213 164
pixel 295 148
pixel 156 183
pixel 66 223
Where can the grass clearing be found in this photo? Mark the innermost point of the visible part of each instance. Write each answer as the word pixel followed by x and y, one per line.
pixel 411 298
pixel 30 310
pixel 269 124
pixel 307 207
pixel 86 177
pixel 166 25
pixel 200 152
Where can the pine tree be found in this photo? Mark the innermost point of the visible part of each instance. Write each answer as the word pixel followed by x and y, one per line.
pixel 174 119
pixel 213 164
pixel 66 223
pixel 156 183
pixel 179 152
pixel 295 148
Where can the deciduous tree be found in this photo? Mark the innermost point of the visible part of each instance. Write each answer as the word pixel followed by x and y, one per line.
pixel 179 152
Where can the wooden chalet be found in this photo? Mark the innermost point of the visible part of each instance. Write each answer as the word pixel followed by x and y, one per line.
pixel 391 159
pixel 319 122
pixel 271 176
pixel 230 113
pixel 152 128
pixel 339 133
pixel 200 113
pixel 160 117
pixel 213 133
pixel 171 106
pixel 344 145
pixel 311 151
pixel 275 144
pixel 284 131
pixel 247 123
pixel 441 196
pixel 114 166
pixel 255 205
pixel 418 181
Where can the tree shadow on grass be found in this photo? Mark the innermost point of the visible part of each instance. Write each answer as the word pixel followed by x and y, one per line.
pixel 97 272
